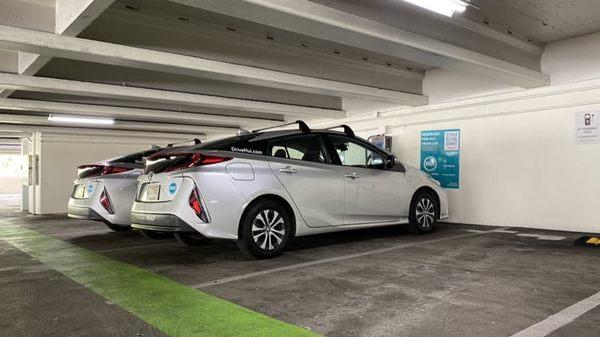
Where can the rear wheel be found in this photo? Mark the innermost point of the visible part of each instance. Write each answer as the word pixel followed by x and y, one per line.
pixel 154 235
pixel 118 228
pixel 192 239
pixel 424 213
pixel 265 230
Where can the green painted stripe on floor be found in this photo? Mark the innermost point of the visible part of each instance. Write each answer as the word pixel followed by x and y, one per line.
pixel 175 309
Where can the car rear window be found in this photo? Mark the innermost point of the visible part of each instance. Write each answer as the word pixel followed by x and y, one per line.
pixel 135 158
pixel 164 164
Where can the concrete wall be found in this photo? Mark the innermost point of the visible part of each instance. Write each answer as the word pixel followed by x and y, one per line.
pixel 61 154
pixel 520 164
pixel 573 59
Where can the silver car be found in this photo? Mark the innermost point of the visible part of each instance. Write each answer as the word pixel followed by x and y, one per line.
pixel 105 191
pixel 266 187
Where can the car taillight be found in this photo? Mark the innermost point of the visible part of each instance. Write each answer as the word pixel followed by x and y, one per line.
pixel 95 170
pixel 105 202
pixel 196 205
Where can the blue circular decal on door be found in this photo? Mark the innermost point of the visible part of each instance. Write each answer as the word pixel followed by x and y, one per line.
pixel 172 188
pixel 90 188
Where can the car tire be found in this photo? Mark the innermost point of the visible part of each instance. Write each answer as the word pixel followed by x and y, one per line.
pixel 192 239
pixel 424 213
pixel 265 230
pixel 155 235
pixel 118 228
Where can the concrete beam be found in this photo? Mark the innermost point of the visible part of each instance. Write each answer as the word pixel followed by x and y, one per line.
pixel 11 104
pixel 87 89
pixel 119 125
pixel 25 130
pixel 53 45
pixel 71 17
pixel 319 21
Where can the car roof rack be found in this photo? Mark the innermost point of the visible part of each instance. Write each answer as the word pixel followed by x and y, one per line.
pixel 301 125
pixel 196 142
pixel 347 130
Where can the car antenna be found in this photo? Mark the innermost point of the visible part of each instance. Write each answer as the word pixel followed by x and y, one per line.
pixel 347 130
pixel 301 125
pixel 196 142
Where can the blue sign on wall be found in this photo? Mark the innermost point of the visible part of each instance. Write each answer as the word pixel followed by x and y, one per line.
pixel 440 156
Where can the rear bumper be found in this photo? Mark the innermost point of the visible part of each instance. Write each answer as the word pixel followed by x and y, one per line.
pixel 159 222
pixel 83 212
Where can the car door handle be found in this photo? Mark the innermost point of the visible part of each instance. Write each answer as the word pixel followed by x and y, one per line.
pixel 288 169
pixel 352 175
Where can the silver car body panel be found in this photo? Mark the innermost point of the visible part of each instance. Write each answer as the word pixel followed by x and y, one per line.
pixel 121 189
pixel 321 196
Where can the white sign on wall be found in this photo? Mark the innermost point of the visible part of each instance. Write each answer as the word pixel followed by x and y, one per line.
pixel 587 127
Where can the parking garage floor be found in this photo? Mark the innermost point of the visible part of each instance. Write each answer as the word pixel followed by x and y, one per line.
pixel 460 281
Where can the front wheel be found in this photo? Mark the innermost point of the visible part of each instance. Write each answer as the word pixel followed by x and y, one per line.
pixel 265 230
pixel 154 235
pixel 424 213
pixel 192 239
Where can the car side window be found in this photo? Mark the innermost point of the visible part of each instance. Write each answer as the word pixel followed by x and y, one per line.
pixel 352 153
pixel 299 147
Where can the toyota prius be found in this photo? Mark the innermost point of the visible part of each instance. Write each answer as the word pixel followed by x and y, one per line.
pixel 265 187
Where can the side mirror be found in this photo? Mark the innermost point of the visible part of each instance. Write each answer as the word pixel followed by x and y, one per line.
pixel 393 164
pixel 390 162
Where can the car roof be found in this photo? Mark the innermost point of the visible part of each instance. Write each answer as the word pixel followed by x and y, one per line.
pixel 280 133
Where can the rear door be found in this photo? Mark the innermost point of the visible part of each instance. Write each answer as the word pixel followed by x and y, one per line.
pixel 372 193
pixel 302 165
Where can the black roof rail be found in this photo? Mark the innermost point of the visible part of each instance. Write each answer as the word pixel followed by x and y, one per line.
pixel 347 130
pixel 301 125
pixel 196 142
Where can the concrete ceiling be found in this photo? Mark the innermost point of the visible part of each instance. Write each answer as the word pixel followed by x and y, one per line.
pixel 267 60
pixel 542 21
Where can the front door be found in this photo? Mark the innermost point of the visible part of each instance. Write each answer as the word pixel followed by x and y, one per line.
pixel 373 194
pixel 301 164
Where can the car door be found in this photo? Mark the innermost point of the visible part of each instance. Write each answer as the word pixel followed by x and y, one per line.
pixel 303 166
pixel 373 194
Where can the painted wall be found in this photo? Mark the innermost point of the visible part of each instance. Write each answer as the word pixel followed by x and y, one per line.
pixel 61 154
pixel 573 59
pixel 520 164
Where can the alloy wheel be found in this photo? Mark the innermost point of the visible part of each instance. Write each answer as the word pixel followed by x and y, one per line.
pixel 425 213
pixel 268 229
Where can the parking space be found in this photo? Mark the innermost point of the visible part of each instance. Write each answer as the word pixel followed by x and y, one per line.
pixel 459 281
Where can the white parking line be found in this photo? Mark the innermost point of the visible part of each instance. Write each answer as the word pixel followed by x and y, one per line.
pixel 560 319
pixel 544 237
pixel 335 259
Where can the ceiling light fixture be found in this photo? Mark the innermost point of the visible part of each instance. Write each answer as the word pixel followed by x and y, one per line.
pixel 444 7
pixel 80 120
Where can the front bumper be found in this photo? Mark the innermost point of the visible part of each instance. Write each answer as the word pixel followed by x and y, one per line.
pixel 159 222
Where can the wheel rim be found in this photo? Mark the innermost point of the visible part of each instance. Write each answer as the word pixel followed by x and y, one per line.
pixel 425 213
pixel 268 229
